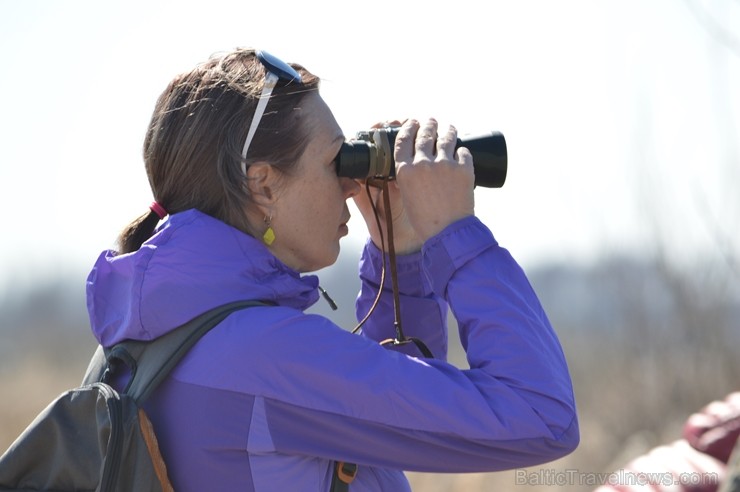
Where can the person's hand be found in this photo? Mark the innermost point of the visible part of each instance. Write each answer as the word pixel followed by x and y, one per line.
pixel 709 437
pixel 405 239
pixel 715 428
pixel 436 182
pixel 433 186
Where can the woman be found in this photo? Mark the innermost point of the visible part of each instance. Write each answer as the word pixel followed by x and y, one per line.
pixel 241 154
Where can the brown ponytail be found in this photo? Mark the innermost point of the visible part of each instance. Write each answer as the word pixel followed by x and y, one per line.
pixel 138 231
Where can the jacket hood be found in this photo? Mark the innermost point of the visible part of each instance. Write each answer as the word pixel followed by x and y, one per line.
pixel 193 263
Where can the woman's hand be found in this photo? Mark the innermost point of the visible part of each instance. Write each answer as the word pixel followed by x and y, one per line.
pixel 433 187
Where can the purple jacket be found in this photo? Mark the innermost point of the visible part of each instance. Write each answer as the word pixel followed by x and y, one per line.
pixel 270 397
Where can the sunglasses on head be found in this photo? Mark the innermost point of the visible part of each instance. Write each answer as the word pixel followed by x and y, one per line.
pixel 275 70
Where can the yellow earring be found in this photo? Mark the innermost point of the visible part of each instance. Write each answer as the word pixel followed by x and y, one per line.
pixel 269 236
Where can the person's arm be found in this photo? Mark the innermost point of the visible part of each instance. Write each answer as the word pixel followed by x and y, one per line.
pixel 503 328
pixel 432 188
pixel 423 313
pixel 344 397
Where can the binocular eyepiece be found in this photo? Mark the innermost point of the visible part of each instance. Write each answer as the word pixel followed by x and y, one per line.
pixel 371 156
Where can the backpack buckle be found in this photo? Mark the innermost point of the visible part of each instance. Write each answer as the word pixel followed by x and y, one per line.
pixel 346 471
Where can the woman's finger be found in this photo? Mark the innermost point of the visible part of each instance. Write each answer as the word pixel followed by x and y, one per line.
pixel 404 147
pixel 446 144
pixel 425 139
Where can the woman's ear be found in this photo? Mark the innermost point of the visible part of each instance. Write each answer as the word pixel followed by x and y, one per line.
pixel 262 182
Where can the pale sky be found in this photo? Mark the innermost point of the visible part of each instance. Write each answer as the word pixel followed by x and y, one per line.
pixel 621 116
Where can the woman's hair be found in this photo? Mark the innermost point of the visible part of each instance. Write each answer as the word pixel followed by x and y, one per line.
pixel 193 146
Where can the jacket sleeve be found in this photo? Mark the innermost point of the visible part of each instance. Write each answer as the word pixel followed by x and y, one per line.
pixel 335 395
pixel 423 313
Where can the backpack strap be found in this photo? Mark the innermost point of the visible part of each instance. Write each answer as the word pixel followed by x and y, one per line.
pixel 96 367
pixel 151 361
pixel 155 359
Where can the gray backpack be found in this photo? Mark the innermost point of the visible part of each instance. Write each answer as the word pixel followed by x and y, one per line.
pixel 93 438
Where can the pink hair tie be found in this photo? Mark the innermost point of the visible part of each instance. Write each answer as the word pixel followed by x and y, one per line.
pixel 158 209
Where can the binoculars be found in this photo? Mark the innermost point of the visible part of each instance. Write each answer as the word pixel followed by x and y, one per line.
pixel 371 156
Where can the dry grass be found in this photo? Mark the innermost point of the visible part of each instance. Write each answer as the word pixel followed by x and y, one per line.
pixel 27 389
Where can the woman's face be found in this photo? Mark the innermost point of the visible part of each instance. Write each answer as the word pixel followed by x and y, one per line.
pixel 310 214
